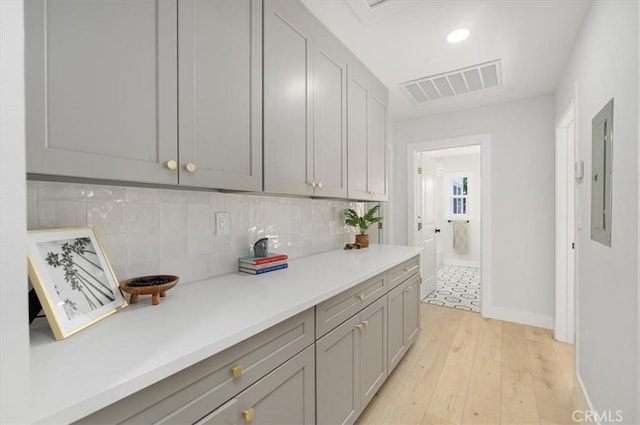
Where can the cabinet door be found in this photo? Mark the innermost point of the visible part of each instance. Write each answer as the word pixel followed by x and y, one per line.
pixel 411 293
pixel 220 86
pixel 373 350
pixel 228 414
pixel 338 375
pixel 396 322
pixel 357 127
pixel 377 146
pixel 101 88
pixel 288 92
pixel 286 396
pixel 330 117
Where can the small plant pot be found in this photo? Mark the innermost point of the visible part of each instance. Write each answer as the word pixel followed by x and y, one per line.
pixel 363 240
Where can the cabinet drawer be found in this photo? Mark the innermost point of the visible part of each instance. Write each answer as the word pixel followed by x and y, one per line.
pixel 336 310
pixel 403 271
pixel 192 393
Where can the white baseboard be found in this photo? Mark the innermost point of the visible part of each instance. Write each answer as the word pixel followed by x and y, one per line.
pixel 460 263
pixel 522 317
pixel 586 395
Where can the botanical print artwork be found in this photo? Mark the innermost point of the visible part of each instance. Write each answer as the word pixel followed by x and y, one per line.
pixel 82 285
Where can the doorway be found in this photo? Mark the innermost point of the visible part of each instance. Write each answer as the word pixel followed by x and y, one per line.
pixel 447 181
pixel 565 227
pixel 451 202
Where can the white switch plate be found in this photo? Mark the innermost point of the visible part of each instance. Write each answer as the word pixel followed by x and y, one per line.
pixel 223 223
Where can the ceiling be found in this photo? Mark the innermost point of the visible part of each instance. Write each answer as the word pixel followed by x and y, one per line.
pixel 451 152
pixel 403 40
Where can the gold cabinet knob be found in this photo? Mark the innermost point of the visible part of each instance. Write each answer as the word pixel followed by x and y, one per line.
pixel 360 326
pixel 360 297
pixel 319 185
pixel 408 289
pixel 313 184
pixel 171 164
pixel 190 167
pixel 365 323
pixel 236 371
pixel 248 414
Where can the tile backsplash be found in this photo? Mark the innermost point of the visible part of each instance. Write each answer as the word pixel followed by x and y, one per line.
pixel 149 231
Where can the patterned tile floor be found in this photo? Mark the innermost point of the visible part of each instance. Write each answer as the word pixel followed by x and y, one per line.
pixel 458 287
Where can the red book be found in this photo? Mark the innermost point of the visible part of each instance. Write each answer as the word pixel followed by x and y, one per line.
pixel 263 260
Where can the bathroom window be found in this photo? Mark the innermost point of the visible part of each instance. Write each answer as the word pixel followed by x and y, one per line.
pixel 458 196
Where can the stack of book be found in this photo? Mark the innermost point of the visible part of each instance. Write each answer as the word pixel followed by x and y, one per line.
pixel 260 265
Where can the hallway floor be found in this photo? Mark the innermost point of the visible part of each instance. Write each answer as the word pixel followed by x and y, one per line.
pixel 464 369
pixel 457 287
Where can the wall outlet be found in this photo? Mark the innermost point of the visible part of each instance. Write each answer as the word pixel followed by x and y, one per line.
pixel 223 223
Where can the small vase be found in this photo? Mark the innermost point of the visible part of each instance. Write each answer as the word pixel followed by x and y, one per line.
pixel 363 240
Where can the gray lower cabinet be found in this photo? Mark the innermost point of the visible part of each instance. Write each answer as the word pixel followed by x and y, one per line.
pixel 190 394
pixel 101 88
pixel 351 365
pixel 286 396
pixel 403 319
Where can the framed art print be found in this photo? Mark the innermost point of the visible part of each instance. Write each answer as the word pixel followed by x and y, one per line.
pixel 73 278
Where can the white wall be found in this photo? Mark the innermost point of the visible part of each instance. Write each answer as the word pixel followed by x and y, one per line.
pixel 459 164
pixel 604 64
pixel 14 336
pixel 522 203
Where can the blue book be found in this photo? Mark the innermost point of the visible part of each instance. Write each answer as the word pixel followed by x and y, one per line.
pixel 264 270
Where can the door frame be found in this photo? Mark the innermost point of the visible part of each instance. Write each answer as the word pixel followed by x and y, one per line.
pixel 565 275
pixel 484 140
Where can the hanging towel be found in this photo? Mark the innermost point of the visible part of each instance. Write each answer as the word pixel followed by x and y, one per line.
pixel 460 241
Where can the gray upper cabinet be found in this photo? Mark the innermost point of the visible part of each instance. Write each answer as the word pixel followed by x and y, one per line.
pixel 103 79
pixel 330 117
pixel 367 115
pixel 220 93
pixel 288 97
pixel 305 104
pixel 101 88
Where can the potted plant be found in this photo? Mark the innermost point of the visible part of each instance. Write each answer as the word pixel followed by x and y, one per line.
pixel 362 223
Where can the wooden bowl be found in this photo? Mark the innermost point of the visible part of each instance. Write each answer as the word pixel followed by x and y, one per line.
pixel 155 285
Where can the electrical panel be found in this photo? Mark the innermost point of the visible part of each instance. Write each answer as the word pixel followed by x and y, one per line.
pixel 602 174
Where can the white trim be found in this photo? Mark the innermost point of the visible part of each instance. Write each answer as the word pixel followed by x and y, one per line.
pixel 565 224
pixel 460 263
pixel 585 395
pixel 522 317
pixel 484 140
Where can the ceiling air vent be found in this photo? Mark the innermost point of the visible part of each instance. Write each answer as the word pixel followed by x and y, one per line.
pixel 454 83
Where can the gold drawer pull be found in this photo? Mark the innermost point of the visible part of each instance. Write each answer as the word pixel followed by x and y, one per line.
pixel 172 164
pixel 365 323
pixel 190 167
pixel 236 371
pixel 248 414
pixel 408 289
pixel 360 326
pixel 360 297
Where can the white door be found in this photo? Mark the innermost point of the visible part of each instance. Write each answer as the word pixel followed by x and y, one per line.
pixel 425 223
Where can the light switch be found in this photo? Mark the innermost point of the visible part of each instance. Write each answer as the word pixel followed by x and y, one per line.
pixel 223 223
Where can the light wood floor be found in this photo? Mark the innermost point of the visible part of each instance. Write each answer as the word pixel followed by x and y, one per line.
pixel 464 369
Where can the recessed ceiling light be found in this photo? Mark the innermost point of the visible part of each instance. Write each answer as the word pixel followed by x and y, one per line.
pixel 457 36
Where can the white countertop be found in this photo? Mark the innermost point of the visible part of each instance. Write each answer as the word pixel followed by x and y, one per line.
pixel 144 344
